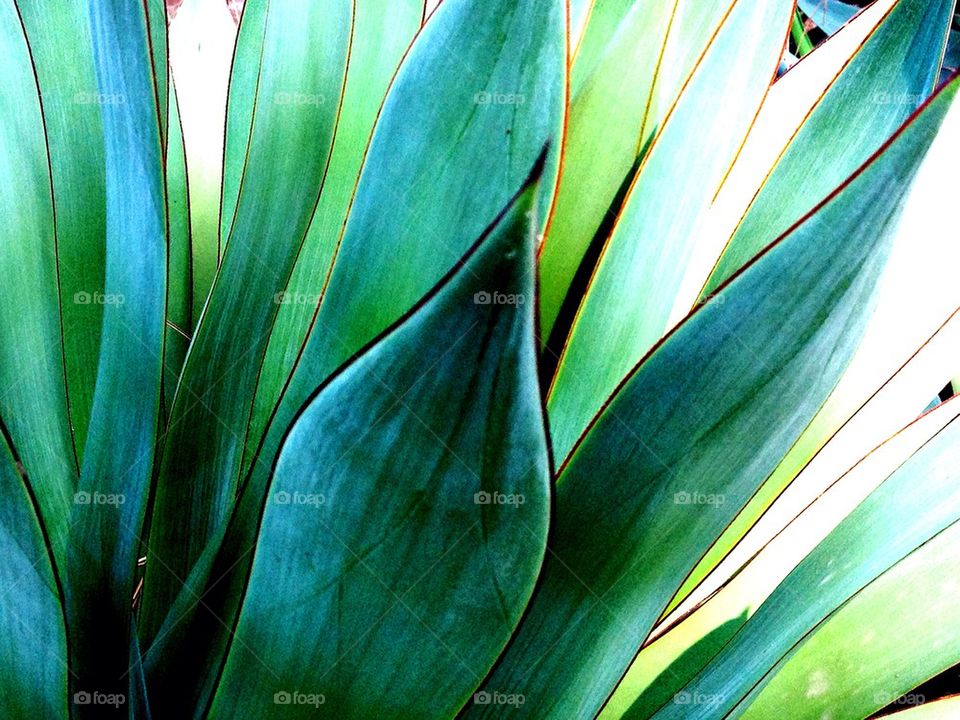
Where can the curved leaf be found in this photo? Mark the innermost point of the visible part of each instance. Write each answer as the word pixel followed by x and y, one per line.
pixel 409 507
pixel 304 55
pixel 672 458
pixel 881 86
pixel 109 506
pixel 202 37
pixel 910 310
pixel 179 322
pixel 634 58
pixel 414 196
pixel 33 394
pixel 382 32
pixel 631 292
pixel 59 34
pixel 33 644
pixel 740 596
pixel 860 550
pixel 879 645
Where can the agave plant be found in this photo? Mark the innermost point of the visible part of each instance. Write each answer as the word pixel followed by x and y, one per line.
pixel 483 358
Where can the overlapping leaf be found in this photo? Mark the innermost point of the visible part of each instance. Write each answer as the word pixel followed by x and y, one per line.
pixel 382 33
pixel 108 509
pixel 33 649
pixel 634 57
pixel 33 396
pixel 59 34
pixel 293 98
pixel 631 292
pixel 880 87
pixel 408 510
pixel 679 652
pixel 847 564
pixel 672 458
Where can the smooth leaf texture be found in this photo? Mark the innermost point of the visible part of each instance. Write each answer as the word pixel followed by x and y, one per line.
pixel 408 511
pixel 883 84
pixel 33 399
pixel 413 196
pixel 59 34
pixel 635 56
pixel 33 652
pixel 382 33
pixel 631 292
pixel 878 646
pixel 424 213
pixel 739 597
pixel 852 557
pixel 304 56
pixel 909 310
pixel 672 458
pixel 179 322
pixel 785 108
pixel 109 506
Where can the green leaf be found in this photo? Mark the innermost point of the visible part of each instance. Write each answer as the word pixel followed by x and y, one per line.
pixel 419 479
pixel 880 87
pixel 920 500
pixel 434 124
pixel 797 534
pixel 59 36
pixel 853 664
pixel 33 645
pixel 910 311
pixel 117 466
pixel 297 91
pixel 632 290
pixel 382 33
pixel 33 397
pixel 634 58
pixel 673 457
pixel 447 153
pixel 179 322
